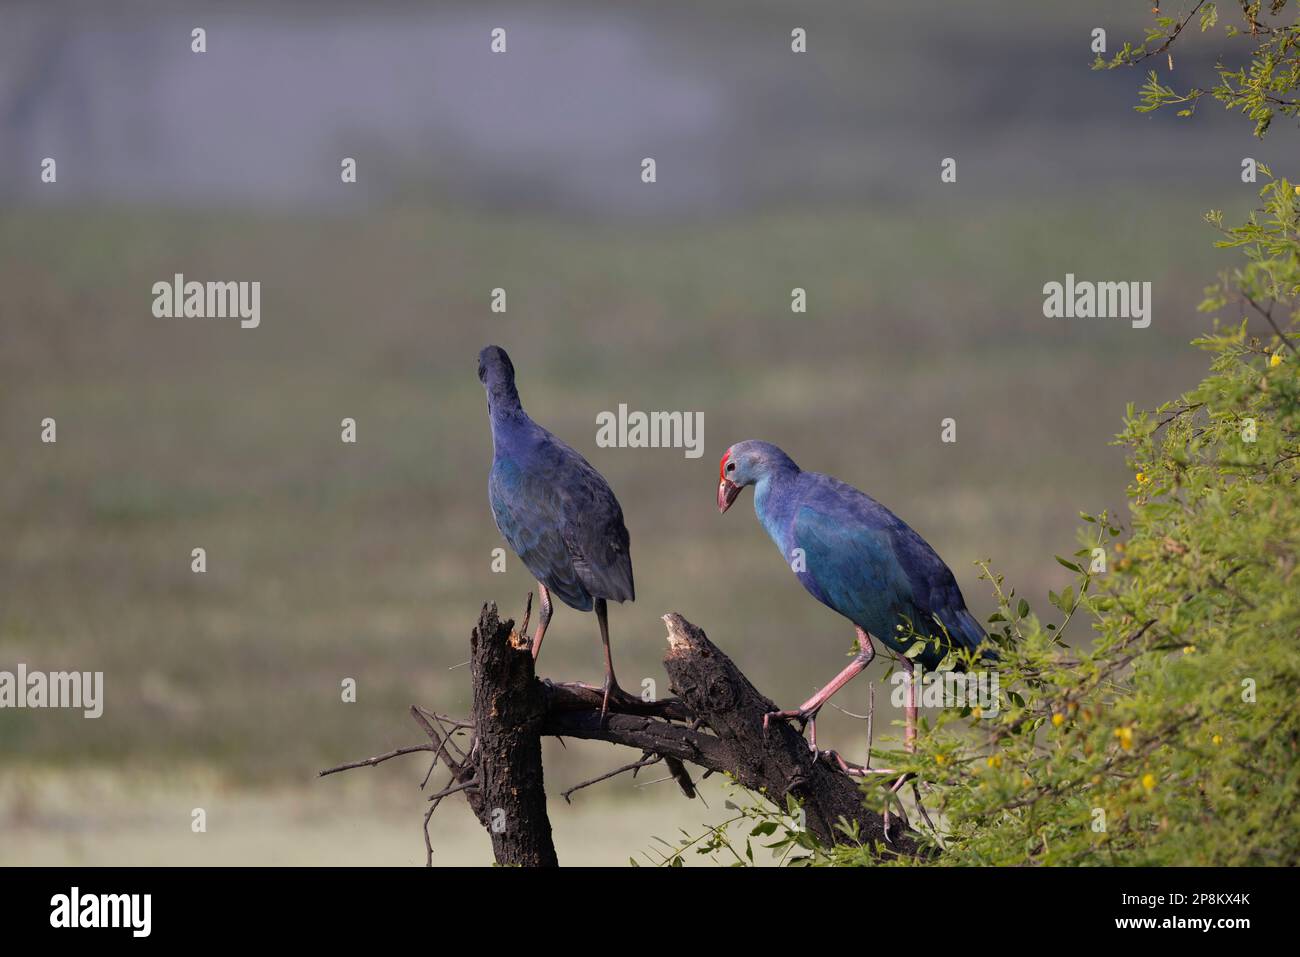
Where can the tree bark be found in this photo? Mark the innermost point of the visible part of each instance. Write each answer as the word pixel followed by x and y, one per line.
pixel 715 723
pixel 776 763
pixel 509 710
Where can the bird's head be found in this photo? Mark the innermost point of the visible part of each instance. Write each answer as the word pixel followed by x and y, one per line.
pixel 494 366
pixel 746 463
pixel 497 373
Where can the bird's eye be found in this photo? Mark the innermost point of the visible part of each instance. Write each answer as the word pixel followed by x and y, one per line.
pixel 731 466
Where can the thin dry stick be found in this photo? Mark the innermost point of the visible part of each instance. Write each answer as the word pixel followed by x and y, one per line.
pixel 646 761
pixel 428 843
pixel 856 717
pixel 871 713
pixel 464 785
pixel 916 793
pixel 422 717
pixel 646 784
pixel 377 759
pixel 449 735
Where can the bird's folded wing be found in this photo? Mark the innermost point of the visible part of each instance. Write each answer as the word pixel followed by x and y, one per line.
pixel 597 539
pixel 851 566
pixel 530 514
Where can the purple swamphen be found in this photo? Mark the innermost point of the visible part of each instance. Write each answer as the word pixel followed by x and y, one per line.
pixel 860 559
pixel 556 511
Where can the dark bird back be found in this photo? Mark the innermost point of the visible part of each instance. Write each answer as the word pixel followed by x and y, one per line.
pixel 553 508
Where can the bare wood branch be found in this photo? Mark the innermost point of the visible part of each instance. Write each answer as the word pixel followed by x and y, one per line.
pixel 634 766
pixel 377 759
pixel 715 723
pixel 453 789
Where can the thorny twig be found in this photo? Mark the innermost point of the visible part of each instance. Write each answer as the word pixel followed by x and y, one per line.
pixel 647 759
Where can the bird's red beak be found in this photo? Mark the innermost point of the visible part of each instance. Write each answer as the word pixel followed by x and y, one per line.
pixel 727 492
pixel 727 489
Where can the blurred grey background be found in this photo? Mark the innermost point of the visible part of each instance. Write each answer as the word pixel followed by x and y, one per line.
pixel 522 171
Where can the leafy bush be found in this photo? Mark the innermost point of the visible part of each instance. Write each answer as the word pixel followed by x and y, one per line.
pixel 1171 735
pixel 1173 738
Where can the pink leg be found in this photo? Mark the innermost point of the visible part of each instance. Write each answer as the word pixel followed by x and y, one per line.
pixel 909 740
pixel 611 683
pixel 543 619
pixel 807 712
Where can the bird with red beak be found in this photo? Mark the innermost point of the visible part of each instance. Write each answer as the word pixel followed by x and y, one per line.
pixel 858 558
pixel 727 489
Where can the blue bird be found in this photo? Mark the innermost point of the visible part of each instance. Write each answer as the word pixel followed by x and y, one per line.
pixel 556 511
pixel 857 557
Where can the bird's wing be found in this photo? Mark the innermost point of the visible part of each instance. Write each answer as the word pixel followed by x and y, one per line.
pixel 935 588
pixel 594 531
pixel 851 567
pixel 872 567
pixel 529 512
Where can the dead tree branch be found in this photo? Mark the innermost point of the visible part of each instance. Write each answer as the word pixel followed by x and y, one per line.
pixel 715 723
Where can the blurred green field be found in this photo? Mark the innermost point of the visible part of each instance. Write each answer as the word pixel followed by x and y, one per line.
pixel 328 561
pixel 104 817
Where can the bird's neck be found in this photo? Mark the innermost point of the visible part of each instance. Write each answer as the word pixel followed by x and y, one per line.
pixel 504 405
pixel 511 426
pixel 774 498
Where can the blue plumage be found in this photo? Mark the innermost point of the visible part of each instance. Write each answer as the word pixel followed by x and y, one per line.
pixel 556 511
pixel 560 517
pixel 852 554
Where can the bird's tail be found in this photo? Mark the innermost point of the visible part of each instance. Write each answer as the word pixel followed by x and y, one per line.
pixel 965 632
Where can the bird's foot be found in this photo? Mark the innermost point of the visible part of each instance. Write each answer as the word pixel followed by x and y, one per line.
pixel 888 820
pixel 612 692
pixel 807 720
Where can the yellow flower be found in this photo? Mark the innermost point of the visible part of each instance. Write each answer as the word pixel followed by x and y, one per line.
pixel 1149 782
pixel 1217 739
pixel 1275 360
pixel 977 712
pixel 995 761
pixel 939 759
pixel 1188 649
pixel 1058 719
pixel 1142 478
pixel 1125 736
